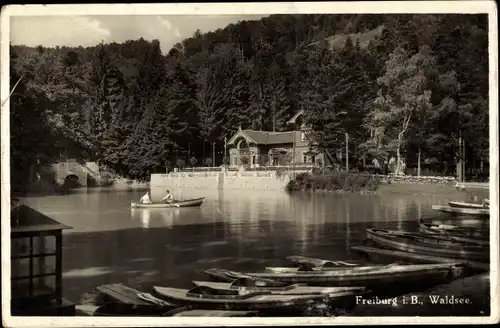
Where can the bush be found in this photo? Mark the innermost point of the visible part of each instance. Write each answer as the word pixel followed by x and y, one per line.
pixel 336 180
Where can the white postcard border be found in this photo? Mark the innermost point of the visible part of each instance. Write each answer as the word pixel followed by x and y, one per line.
pixel 380 7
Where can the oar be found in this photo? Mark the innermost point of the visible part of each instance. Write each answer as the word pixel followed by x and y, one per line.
pixel 171 205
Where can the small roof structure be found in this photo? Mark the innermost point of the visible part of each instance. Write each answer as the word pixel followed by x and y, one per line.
pixel 25 219
pixel 294 118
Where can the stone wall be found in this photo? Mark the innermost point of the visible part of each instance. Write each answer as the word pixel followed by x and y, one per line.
pixel 259 180
pixel 419 179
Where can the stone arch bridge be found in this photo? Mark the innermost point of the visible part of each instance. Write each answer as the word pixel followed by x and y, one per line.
pixel 72 171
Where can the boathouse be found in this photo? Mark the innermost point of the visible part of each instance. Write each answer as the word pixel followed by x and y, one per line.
pixel 269 148
pixel 36 264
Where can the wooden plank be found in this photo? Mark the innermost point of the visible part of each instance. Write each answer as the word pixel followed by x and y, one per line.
pixel 121 293
pixel 85 309
pixel 215 313
pixel 420 258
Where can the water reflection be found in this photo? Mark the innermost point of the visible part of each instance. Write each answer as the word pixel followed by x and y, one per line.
pixel 159 217
pixel 235 229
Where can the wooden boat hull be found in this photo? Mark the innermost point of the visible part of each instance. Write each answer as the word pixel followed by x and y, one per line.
pixel 253 301
pixel 467 205
pixel 309 262
pixel 415 257
pixel 468 233
pixel 422 245
pixel 302 269
pixel 298 289
pixel 118 309
pixel 483 212
pixel 176 204
pixel 367 277
pixel 441 239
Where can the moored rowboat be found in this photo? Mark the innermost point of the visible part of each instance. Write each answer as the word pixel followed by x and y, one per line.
pixel 248 285
pixel 199 297
pixel 467 205
pixel 177 203
pixel 382 275
pixel 303 269
pixel 426 244
pixel 117 309
pixel 462 211
pixel 441 239
pixel 451 230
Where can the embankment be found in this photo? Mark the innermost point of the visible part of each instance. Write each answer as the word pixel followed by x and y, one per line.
pixel 273 180
pixel 258 180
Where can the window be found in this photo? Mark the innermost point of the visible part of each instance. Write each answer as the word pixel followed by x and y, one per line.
pixel 303 136
pixel 304 159
pixel 313 159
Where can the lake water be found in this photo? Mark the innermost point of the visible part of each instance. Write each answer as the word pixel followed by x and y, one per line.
pixel 240 230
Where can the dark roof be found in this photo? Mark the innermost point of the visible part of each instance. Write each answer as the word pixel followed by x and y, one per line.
pixel 270 138
pixel 27 219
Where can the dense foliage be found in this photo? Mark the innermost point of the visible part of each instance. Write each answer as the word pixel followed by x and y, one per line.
pixel 334 181
pixel 399 85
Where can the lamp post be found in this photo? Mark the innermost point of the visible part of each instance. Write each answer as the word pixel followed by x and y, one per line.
pixel 347 152
pixel 225 150
pixel 213 154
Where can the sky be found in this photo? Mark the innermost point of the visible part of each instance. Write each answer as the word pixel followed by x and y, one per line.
pixel 89 30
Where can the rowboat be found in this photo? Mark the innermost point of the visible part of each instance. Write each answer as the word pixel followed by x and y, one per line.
pixel 223 275
pixel 177 203
pixel 200 297
pixel 125 301
pixel 426 237
pixel 467 205
pixel 117 309
pixel 486 201
pixel 415 257
pixel 369 278
pixel 428 244
pixel 462 211
pixel 302 269
pixel 310 262
pixel 126 295
pixel 451 230
pixel 242 285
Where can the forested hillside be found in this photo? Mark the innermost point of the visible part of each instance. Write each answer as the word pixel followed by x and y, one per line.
pixel 398 84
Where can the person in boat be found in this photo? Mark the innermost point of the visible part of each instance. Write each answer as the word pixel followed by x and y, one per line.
pixel 168 197
pixel 146 199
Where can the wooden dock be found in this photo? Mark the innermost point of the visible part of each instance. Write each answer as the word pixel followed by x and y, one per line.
pixel 418 258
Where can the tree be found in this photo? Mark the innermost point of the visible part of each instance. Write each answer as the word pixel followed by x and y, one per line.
pixel 193 161
pixel 403 96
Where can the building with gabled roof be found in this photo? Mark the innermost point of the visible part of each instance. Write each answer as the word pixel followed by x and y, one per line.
pixel 268 148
